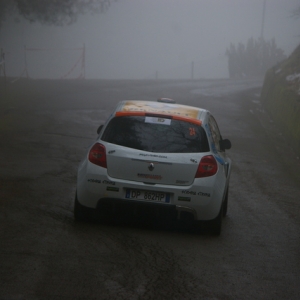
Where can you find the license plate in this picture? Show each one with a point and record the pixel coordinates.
(147, 195)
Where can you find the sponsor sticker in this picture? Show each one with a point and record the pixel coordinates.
(150, 176)
(187, 199)
(188, 192)
(94, 180)
(204, 194)
(112, 189)
(108, 182)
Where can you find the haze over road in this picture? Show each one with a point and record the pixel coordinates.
(137, 39)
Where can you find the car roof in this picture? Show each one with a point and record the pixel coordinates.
(176, 111)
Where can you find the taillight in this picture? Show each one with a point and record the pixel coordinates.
(208, 166)
(97, 155)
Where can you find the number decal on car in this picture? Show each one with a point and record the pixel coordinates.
(192, 131)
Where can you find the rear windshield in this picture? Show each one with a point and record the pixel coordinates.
(156, 134)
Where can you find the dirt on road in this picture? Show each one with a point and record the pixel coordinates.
(45, 128)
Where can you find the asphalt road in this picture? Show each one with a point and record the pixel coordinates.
(45, 254)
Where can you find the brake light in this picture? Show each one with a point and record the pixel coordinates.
(97, 155)
(208, 166)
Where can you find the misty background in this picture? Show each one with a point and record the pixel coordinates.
(147, 39)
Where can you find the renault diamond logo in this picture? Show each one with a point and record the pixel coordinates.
(151, 167)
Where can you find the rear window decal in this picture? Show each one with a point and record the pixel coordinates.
(155, 120)
(177, 137)
(158, 107)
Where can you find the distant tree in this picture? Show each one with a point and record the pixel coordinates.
(254, 59)
(5, 5)
(296, 12)
(51, 12)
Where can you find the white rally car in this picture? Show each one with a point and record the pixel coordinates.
(159, 157)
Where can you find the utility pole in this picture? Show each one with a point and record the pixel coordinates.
(25, 63)
(263, 20)
(2, 63)
(2, 68)
(192, 71)
(83, 62)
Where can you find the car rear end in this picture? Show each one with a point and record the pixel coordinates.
(156, 158)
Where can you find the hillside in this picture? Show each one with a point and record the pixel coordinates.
(281, 98)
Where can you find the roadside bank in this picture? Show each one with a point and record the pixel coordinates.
(280, 96)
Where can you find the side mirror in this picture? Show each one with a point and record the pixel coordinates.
(225, 144)
(99, 129)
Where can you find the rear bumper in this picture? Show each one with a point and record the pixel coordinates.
(201, 201)
(108, 207)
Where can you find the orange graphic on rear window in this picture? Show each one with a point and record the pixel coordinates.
(161, 108)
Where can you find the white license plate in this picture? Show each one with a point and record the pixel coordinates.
(147, 195)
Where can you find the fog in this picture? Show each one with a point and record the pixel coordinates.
(140, 39)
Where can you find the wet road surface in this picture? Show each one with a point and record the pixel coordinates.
(44, 254)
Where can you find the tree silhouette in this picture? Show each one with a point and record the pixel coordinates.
(52, 12)
(254, 59)
(296, 12)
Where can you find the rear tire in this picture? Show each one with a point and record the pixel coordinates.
(225, 204)
(80, 212)
(214, 226)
